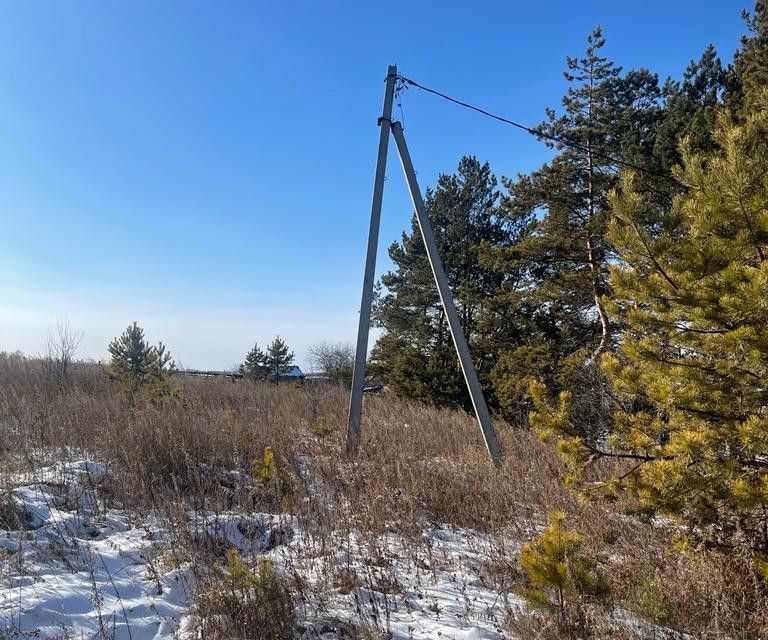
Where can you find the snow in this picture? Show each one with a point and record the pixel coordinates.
(80, 570)
(426, 590)
(251, 533)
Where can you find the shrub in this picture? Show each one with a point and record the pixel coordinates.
(264, 469)
(321, 428)
(653, 603)
(246, 602)
(276, 481)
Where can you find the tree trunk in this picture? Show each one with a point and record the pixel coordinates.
(605, 324)
(594, 267)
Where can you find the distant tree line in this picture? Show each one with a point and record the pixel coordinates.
(334, 360)
(618, 307)
(142, 367)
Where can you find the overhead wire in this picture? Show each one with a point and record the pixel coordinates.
(538, 133)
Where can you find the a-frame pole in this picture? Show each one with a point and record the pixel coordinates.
(457, 333)
(364, 323)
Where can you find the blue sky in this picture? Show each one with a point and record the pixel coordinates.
(205, 168)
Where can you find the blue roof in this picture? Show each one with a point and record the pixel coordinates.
(295, 372)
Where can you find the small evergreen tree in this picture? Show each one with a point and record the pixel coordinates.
(255, 366)
(561, 577)
(241, 600)
(279, 359)
(137, 364)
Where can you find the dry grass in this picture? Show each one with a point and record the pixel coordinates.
(416, 465)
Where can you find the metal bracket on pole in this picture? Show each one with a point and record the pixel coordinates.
(364, 322)
(457, 333)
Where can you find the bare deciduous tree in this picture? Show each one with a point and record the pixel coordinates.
(336, 360)
(62, 345)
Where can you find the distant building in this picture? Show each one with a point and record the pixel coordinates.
(293, 375)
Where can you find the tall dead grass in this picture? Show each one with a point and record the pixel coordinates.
(416, 465)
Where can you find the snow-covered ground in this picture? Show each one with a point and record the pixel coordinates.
(76, 570)
(430, 589)
(72, 568)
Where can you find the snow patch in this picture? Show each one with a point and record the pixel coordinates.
(76, 569)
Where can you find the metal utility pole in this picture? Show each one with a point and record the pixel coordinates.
(457, 333)
(364, 323)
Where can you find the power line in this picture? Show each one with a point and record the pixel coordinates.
(538, 133)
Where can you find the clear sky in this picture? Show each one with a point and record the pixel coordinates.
(205, 168)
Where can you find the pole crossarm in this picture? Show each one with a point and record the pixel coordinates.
(446, 297)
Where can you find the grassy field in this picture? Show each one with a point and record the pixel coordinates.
(242, 517)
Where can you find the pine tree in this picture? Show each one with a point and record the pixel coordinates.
(255, 366)
(552, 302)
(576, 226)
(561, 576)
(688, 110)
(162, 363)
(691, 289)
(138, 364)
(415, 354)
(751, 60)
(278, 359)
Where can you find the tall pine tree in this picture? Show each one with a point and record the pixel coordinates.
(559, 265)
(415, 353)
